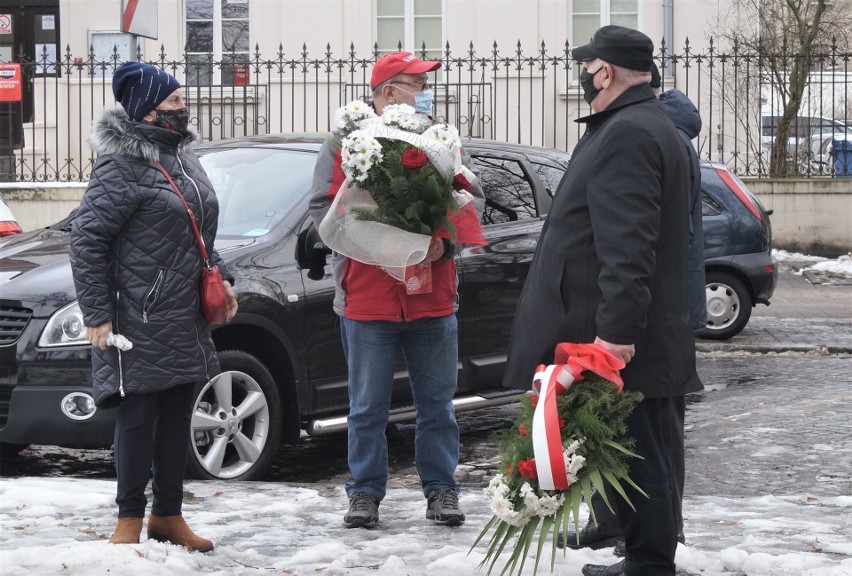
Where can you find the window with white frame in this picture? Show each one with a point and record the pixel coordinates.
(589, 15)
(217, 31)
(410, 24)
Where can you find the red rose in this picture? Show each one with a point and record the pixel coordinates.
(414, 158)
(522, 430)
(461, 183)
(534, 400)
(561, 423)
(527, 469)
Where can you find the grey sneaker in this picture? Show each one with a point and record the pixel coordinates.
(363, 511)
(442, 506)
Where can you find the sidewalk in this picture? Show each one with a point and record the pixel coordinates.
(766, 334)
(807, 313)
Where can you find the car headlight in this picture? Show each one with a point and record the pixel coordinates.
(65, 328)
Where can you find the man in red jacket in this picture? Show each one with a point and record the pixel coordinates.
(379, 319)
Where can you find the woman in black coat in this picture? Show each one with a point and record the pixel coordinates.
(137, 269)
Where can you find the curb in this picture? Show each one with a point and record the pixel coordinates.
(822, 349)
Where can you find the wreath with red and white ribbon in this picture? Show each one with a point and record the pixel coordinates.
(569, 440)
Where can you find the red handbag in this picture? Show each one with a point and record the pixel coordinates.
(214, 299)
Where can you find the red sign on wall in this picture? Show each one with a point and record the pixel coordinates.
(10, 83)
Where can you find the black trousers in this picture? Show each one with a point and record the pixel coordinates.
(608, 518)
(152, 435)
(650, 531)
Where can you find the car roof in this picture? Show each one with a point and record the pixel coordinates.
(495, 146)
(286, 140)
(313, 140)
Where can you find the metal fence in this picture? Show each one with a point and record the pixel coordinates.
(520, 96)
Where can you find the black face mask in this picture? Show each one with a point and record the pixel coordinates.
(176, 120)
(588, 85)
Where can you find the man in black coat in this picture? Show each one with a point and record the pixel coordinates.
(611, 268)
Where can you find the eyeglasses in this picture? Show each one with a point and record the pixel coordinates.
(423, 87)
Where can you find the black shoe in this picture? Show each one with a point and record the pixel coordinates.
(592, 536)
(598, 570)
(363, 511)
(442, 506)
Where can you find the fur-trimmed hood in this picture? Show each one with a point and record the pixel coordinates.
(115, 133)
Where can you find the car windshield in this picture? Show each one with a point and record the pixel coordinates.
(257, 187)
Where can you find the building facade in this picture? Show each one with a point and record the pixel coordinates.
(259, 66)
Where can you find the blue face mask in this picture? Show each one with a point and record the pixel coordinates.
(422, 100)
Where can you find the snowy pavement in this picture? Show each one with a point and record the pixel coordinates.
(769, 489)
(60, 526)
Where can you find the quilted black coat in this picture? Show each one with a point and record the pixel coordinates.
(136, 262)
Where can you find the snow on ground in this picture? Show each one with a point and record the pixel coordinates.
(840, 267)
(61, 526)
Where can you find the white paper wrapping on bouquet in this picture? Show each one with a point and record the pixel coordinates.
(383, 245)
(369, 242)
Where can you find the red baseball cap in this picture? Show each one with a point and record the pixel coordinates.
(400, 63)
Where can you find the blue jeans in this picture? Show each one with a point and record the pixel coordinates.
(430, 347)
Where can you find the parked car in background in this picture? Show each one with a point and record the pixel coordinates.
(8, 225)
(738, 262)
(801, 133)
(283, 365)
(820, 153)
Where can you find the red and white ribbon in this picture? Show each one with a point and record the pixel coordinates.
(551, 381)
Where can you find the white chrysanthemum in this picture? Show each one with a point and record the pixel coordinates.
(398, 109)
(349, 115)
(401, 116)
(409, 123)
(359, 152)
(447, 135)
(573, 446)
(573, 461)
(574, 466)
(549, 505)
(497, 487)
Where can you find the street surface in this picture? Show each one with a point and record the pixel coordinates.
(775, 417)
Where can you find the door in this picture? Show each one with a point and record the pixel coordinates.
(31, 36)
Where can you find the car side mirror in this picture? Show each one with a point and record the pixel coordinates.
(311, 253)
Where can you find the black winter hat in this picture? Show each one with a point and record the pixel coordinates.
(620, 46)
(140, 88)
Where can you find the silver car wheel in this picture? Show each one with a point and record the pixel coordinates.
(723, 306)
(230, 425)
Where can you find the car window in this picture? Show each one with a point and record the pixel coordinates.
(711, 185)
(709, 207)
(257, 187)
(508, 193)
(550, 175)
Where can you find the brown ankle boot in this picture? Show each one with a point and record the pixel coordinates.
(174, 529)
(127, 531)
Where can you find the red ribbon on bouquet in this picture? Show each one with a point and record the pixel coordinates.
(571, 360)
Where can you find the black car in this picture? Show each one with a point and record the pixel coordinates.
(282, 360)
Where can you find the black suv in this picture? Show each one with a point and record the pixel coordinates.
(282, 360)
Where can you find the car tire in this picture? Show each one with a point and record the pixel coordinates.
(237, 421)
(728, 306)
